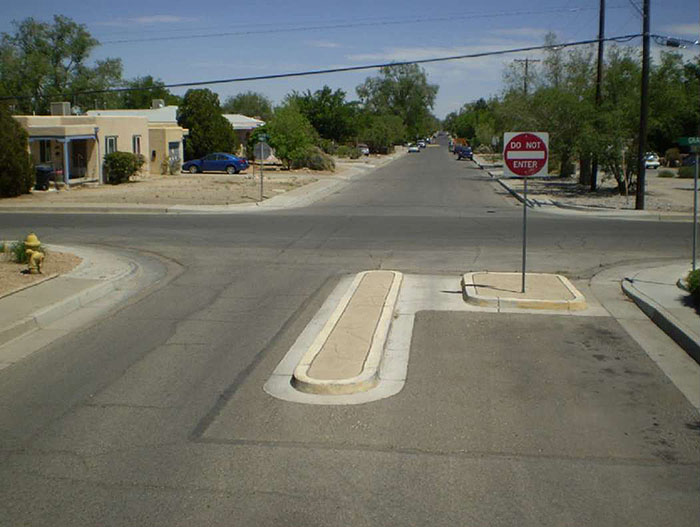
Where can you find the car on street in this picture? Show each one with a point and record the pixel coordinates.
(689, 161)
(464, 152)
(216, 162)
(364, 149)
(651, 161)
(413, 148)
(421, 144)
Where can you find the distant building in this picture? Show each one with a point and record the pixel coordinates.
(243, 125)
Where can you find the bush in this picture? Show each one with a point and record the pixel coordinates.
(315, 159)
(686, 172)
(120, 166)
(483, 149)
(16, 169)
(19, 252)
(666, 173)
(328, 146)
(672, 157)
(348, 151)
(693, 281)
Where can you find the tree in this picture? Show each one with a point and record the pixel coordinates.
(42, 61)
(291, 134)
(328, 112)
(209, 130)
(148, 89)
(16, 170)
(382, 132)
(401, 90)
(251, 104)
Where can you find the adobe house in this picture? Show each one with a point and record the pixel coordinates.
(76, 144)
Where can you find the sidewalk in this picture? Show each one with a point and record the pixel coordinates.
(656, 293)
(513, 186)
(34, 316)
(298, 197)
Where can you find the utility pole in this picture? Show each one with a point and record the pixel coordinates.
(598, 88)
(644, 111)
(527, 62)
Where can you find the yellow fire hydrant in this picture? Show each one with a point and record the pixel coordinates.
(35, 256)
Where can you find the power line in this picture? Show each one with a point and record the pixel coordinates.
(348, 25)
(307, 73)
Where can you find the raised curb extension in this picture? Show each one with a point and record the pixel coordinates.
(670, 325)
(49, 314)
(368, 378)
(471, 296)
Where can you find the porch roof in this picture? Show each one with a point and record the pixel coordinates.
(66, 131)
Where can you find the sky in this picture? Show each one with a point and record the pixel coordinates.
(287, 36)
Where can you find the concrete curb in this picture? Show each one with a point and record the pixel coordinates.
(368, 377)
(472, 297)
(49, 314)
(673, 327)
(306, 195)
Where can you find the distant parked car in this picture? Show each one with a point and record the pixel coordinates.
(364, 149)
(413, 148)
(689, 161)
(216, 162)
(464, 152)
(651, 161)
(421, 143)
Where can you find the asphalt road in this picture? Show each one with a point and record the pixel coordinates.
(156, 415)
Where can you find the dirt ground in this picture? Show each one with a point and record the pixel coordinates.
(12, 278)
(662, 194)
(180, 189)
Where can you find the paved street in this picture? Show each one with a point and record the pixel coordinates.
(156, 415)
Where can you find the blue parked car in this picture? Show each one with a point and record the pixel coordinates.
(464, 152)
(216, 162)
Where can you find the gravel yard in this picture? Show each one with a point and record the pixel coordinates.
(12, 278)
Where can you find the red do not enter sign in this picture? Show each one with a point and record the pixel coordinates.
(525, 153)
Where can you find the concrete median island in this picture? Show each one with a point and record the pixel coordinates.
(503, 290)
(345, 356)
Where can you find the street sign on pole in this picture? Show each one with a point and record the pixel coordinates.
(262, 151)
(525, 154)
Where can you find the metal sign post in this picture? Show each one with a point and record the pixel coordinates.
(262, 150)
(525, 154)
(695, 206)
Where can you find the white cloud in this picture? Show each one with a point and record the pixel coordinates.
(682, 29)
(323, 44)
(146, 20)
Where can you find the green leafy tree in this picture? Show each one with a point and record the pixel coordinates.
(48, 61)
(250, 104)
(382, 132)
(291, 134)
(401, 90)
(209, 130)
(328, 112)
(16, 170)
(147, 89)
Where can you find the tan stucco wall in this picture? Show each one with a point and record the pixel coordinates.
(123, 128)
(160, 134)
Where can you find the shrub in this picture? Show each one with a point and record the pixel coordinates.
(120, 166)
(315, 159)
(483, 149)
(666, 173)
(348, 151)
(672, 157)
(19, 252)
(686, 172)
(329, 146)
(16, 170)
(693, 281)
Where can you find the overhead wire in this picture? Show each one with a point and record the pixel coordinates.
(306, 73)
(348, 25)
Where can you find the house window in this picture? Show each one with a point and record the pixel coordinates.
(136, 144)
(174, 150)
(44, 151)
(110, 144)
